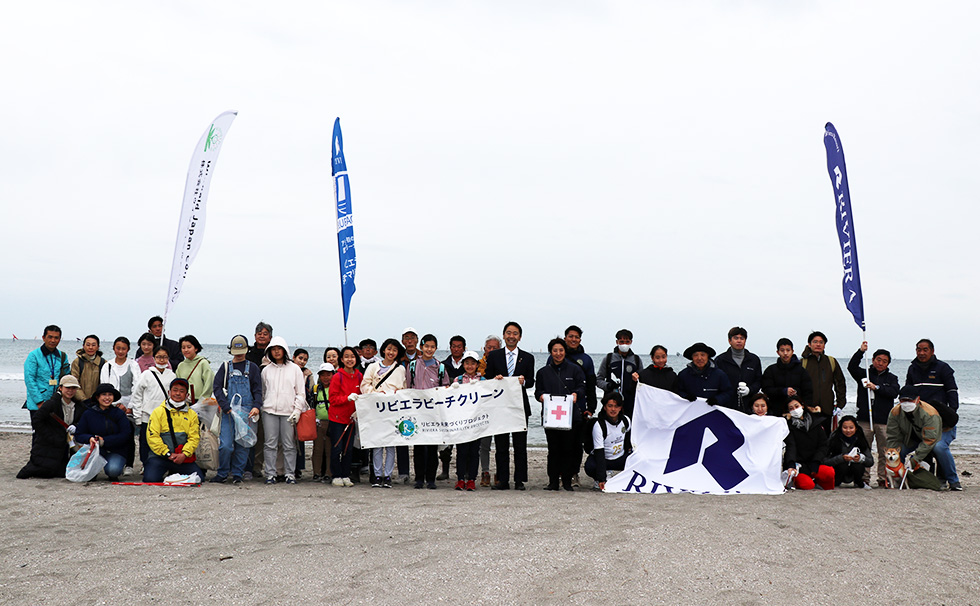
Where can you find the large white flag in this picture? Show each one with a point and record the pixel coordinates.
(441, 415)
(681, 446)
(190, 230)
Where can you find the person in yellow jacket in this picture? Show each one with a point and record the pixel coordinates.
(173, 435)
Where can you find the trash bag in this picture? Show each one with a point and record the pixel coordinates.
(206, 409)
(244, 425)
(83, 466)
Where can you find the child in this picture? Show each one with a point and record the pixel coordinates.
(426, 372)
(301, 357)
(319, 399)
(243, 379)
(468, 454)
(123, 373)
(384, 376)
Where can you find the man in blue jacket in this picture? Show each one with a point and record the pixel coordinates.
(44, 368)
(934, 380)
(743, 368)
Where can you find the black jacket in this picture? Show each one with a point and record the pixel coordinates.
(49, 445)
(806, 445)
(562, 380)
(661, 378)
(749, 373)
(935, 382)
(885, 395)
(110, 424)
(497, 365)
(778, 377)
(451, 370)
(711, 384)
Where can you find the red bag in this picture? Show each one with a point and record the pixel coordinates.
(306, 428)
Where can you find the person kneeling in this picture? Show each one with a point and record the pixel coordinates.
(610, 441)
(806, 448)
(849, 454)
(173, 435)
(108, 427)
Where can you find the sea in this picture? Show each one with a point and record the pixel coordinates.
(15, 418)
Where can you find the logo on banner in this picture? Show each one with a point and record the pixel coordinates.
(406, 426)
(214, 138)
(719, 458)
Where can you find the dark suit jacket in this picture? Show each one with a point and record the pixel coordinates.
(497, 365)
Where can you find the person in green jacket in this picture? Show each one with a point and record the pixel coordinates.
(913, 426)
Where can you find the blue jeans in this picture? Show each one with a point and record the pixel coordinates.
(944, 457)
(232, 456)
(115, 463)
(156, 468)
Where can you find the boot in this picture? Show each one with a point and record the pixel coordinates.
(446, 456)
(485, 479)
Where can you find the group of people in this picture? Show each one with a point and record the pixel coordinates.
(165, 394)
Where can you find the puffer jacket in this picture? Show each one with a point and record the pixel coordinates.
(711, 384)
(778, 377)
(110, 424)
(283, 385)
(49, 445)
(87, 372)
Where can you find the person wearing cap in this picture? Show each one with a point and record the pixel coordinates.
(53, 423)
(616, 370)
(786, 379)
(914, 426)
(173, 434)
(468, 453)
(826, 376)
(368, 353)
(384, 376)
(150, 392)
(318, 398)
(410, 341)
(238, 382)
(491, 343)
(107, 427)
(743, 368)
(884, 385)
(934, 380)
(155, 326)
(703, 379)
(44, 368)
(283, 399)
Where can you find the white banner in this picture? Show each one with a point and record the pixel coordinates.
(190, 230)
(441, 415)
(681, 446)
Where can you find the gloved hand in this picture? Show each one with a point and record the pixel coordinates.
(352, 397)
(864, 382)
(454, 385)
(743, 389)
(71, 430)
(713, 401)
(690, 398)
(294, 418)
(614, 379)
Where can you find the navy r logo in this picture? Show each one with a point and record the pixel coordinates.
(718, 458)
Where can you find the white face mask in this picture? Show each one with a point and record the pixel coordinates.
(161, 367)
(623, 348)
(907, 406)
(796, 413)
(177, 405)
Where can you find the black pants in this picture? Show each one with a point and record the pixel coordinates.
(502, 457)
(426, 463)
(562, 459)
(401, 457)
(848, 472)
(467, 460)
(144, 445)
(618, 464)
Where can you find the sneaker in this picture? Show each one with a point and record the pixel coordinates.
(471, 485)
(325, 480)
(317, 478)
(575, 481)
(419, 485)
(376, 483)
(485, 479)
(128, 471)
(386, 482)
(405, 479)
(248, 476)
(460, 485)
(290, 479)
(218, 480)
(595, 485)
(518, 485)
(338, 482)
(868, 487)
(431, 485)
(270, 480)
(955, 487)
(299, 473)
(237, 481)
(348, 483)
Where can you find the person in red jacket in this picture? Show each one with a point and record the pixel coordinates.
(344, 389)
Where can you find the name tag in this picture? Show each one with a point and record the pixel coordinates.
(53, 382)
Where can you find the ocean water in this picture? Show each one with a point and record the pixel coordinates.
(15, 418)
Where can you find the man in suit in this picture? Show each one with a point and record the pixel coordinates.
(512, 362)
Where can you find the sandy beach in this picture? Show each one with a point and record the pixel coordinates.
(101, 544)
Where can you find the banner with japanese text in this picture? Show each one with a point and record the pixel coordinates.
(441, 415)
(851, 283)
(345, 220)
(681, 446)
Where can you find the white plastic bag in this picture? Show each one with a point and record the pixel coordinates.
(244, 426)
(206, 409)
(83, 467)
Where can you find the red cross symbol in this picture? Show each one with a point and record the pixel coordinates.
(558, 412)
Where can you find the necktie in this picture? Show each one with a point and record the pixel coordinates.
(511, 362)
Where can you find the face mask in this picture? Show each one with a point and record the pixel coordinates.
(177, 405)
(796, 413)
(623, 348)
(907, 406)
(160, 367)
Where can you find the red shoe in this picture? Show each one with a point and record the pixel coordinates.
(460, 485)
(471, 485)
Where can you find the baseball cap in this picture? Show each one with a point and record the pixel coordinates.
(238, 346)
(472, 355)
(908, 393)
(326, 367)
(410, 330)
(68, 381)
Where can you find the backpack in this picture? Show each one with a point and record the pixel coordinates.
(587, 444)
(411, 372)
(833, 363)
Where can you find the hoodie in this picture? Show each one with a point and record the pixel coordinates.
(283, 385)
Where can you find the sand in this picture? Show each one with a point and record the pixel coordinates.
(101, 544)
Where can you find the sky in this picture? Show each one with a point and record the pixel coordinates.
(657, 166)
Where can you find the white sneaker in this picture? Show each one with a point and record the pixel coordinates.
(348, 483)
(128, 471)
(338, 482)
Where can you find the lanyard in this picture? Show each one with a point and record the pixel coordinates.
(51, 362)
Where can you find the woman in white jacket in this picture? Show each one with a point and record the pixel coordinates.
(386, 376)
(283, 399)
(150, 391)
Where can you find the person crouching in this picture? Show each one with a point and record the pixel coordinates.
(173, 434)
(806, 449)
(610, 441)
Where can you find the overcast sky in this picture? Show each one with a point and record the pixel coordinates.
(656, 166)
